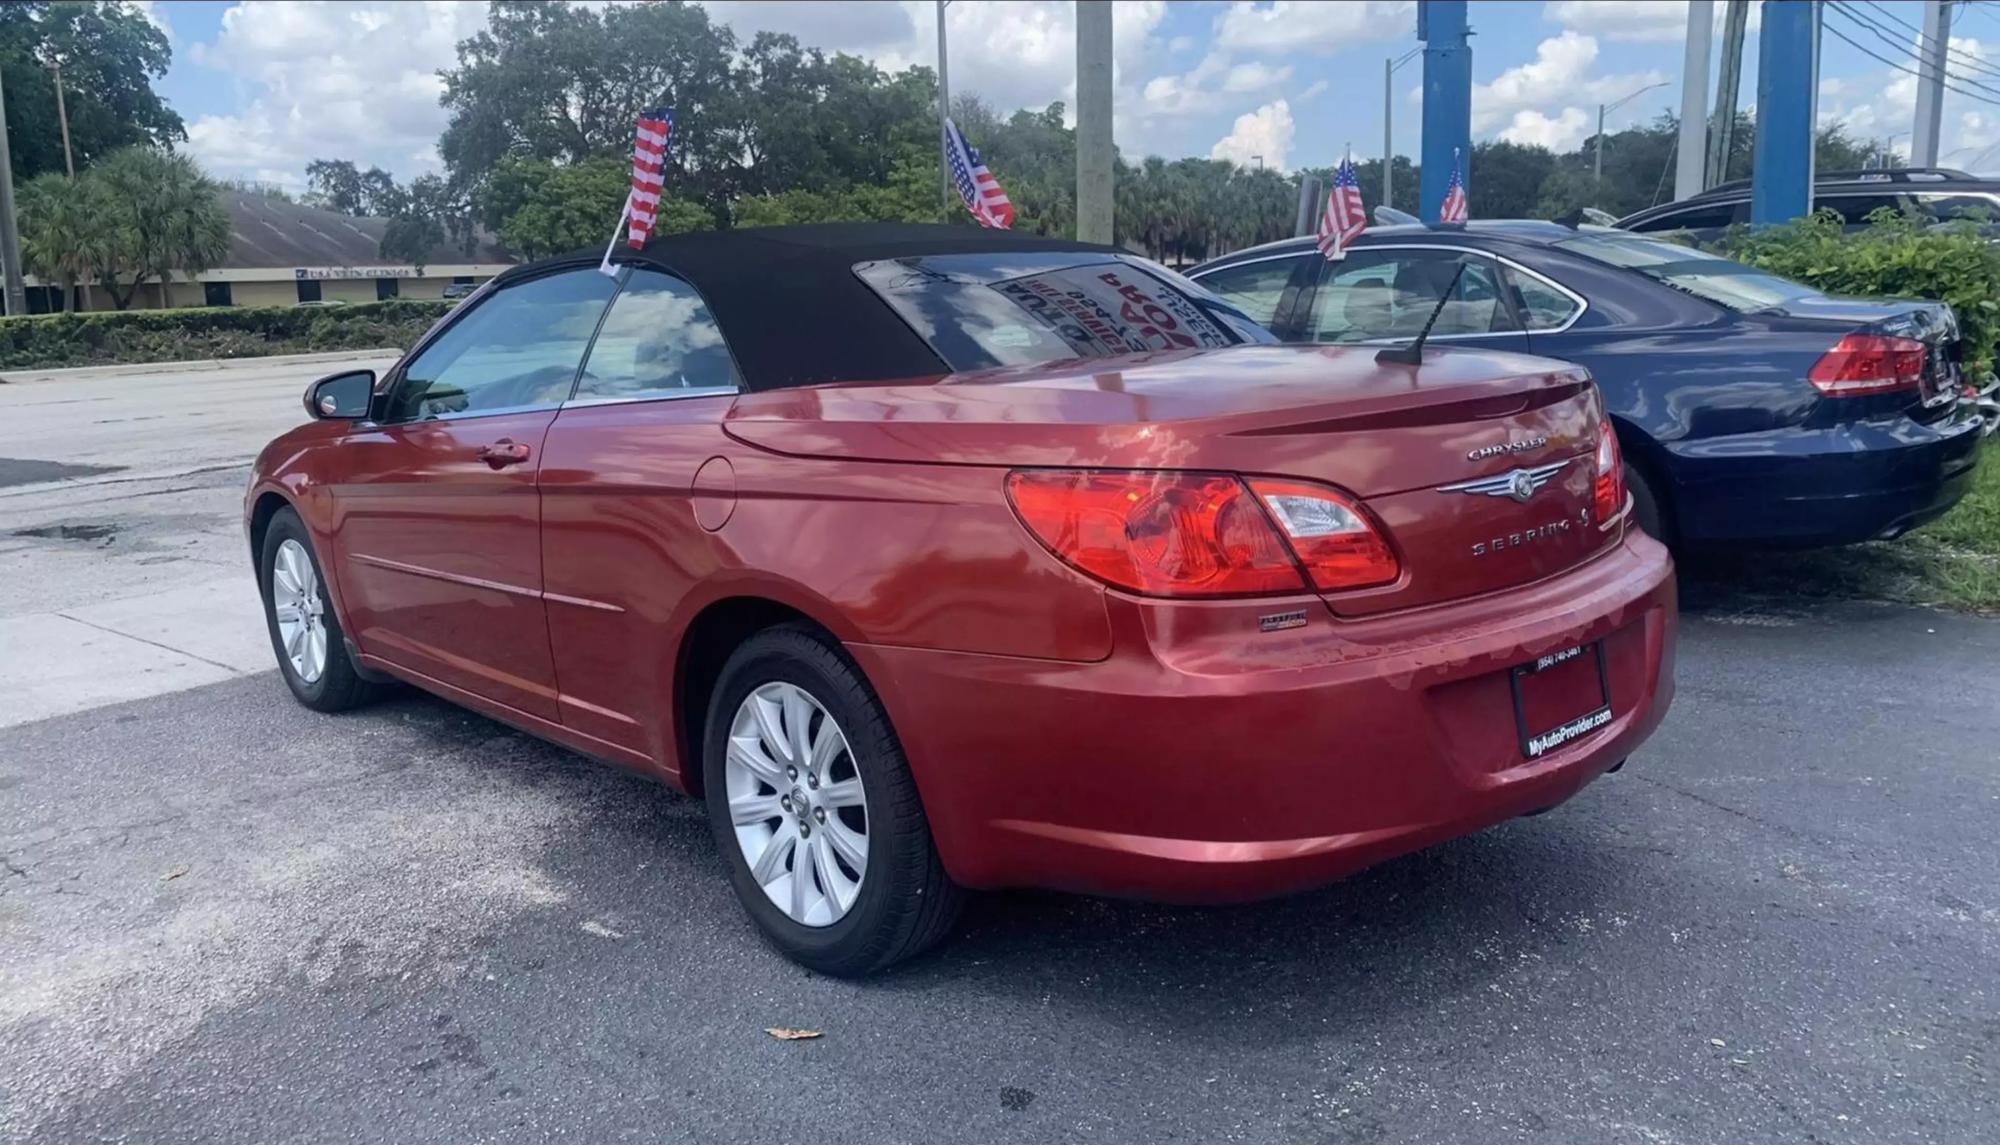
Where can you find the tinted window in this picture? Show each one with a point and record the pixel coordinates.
(1706, 217)
(658, 340)
(519, 347)
(1726, 283)
(1946, 208)
(1543, 307)
(1255, 288)
(308, 289)
(978, 311)
(1391, 294)
(1855, 209)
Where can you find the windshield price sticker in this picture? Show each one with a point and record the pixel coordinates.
(1101, 312)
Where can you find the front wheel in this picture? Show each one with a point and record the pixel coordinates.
(816, 812)
(305, 632)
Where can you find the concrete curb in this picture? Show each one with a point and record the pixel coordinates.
(82, 372)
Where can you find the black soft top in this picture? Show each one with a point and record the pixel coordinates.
(790, 305)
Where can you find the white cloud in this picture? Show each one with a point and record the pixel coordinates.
(1313, 91)
(1538, 102)
(1255, 77)
(1882, 105)
(1324, 26)
(1654, 21)
(1559, 133)
(1264, 134)
(328, 80)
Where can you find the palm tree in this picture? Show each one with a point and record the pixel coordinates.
(63, 235)
(163, 215)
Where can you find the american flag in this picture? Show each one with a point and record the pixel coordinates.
(1454, 209)
(976, 185)
(1343, 220)
(649, 173)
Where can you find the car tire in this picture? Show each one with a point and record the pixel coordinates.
(1646, 507)
(296, 604)
(903, 901)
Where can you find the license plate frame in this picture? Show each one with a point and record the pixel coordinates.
(1536, 744)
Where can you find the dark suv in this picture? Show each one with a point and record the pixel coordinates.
(1938, 192)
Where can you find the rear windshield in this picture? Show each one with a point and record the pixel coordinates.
(1725, 283)
(984, 310)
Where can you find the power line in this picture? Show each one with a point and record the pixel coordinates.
(1988, 98)
(1958, 56)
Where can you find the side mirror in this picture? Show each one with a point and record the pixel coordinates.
(344, 396)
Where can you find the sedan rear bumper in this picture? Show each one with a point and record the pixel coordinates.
(1233, 764)
(1840, 485)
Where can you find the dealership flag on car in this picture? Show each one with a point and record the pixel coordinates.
(1343, 220)
(977, 187)
(649, 178)
(1454, 210)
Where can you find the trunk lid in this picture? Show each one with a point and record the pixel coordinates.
(1405, 440)
(1931, 323)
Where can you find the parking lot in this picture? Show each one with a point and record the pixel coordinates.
(224, 917)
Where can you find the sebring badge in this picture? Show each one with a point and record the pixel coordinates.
(1524, 445)
(1520, 484)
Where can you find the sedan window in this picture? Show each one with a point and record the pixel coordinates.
(1728, 284)
(1390, 293)
(1543, 306)
(659, 340)
(1256, 288)
(517, 349)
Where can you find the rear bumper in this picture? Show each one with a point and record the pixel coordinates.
(1237, 765)
(1841, 485)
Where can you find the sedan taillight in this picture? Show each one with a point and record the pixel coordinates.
(1201, 534)
(1608, 491)
(1869, 364)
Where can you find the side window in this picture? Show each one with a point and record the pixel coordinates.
(658, 340)
(1707, 217)
(1855, 209)
(1947, 208)
(1543, 307)
(1255, 288)
(1391, 293)
(519, 348)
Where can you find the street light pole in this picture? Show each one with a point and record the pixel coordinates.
(62, 116)
(1614, 105)
(944, 112)
(1389, 122)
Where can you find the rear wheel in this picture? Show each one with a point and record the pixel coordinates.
(815, 811)
(305, 631)
(1646, 506)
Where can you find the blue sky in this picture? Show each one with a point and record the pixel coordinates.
(269, 85)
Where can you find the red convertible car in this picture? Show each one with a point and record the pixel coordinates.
(937, 559)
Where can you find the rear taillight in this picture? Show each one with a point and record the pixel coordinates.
(1608, 492)
(1869, 364)
(1200, 534)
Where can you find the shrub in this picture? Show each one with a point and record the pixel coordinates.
(45, 341)
(1895, 256)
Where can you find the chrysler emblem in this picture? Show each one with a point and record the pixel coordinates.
(1520, 484)
(1525, 445)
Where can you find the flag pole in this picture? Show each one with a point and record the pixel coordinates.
(605, 268)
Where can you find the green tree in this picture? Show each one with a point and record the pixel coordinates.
(63, 238)
(540, 208)
(110, 55)
(338, 185)
(159, 214)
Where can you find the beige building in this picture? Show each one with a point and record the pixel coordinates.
(282, 254)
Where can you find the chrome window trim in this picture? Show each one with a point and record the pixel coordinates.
(655, 396)
(1581, 304)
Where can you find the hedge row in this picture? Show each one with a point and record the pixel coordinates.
(47, 341)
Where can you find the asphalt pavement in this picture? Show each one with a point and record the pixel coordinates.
(226, 918)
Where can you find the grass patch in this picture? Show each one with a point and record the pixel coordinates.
(1953, 562)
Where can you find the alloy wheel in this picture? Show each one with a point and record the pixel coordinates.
(295, 602)
(796, 803)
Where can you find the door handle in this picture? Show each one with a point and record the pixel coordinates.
(504, 452)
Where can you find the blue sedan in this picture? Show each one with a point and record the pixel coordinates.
(1751, 410)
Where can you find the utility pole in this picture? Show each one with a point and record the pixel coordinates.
(1694, 99)
(62, 116)
(944, 113)
(1787, 65)
(1094, 223)
(1389, 122)
(1308, 197)
(1930, 82)
(1722, 139)
(10, 239)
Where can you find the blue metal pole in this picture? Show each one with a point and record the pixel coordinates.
(1447, 99)
(1787, 67)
